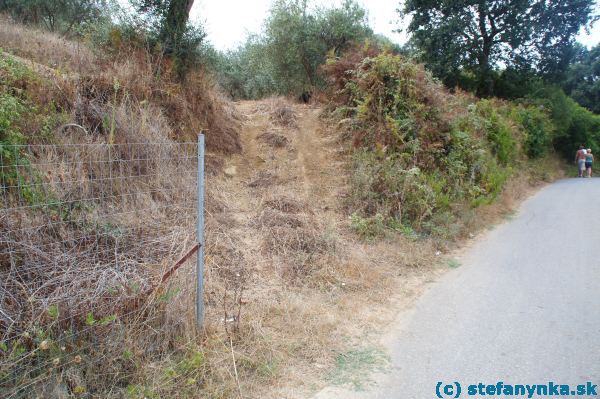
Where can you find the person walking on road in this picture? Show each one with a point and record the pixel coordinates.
(580, 160)
(589, 159)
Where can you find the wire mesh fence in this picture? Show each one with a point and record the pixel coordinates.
(85, 232)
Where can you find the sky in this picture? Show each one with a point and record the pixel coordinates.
(228, 22)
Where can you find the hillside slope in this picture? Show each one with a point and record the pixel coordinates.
(311, 289)
(284, 272)
(296, 292)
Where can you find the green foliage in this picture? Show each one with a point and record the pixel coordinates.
(538, 128)
(16, 111)
(298, 40)
(247, 72)
(573, 124)
(64, 16)
(424, 156)
(368, 228)
(104, 321)
(499, 133)
(12, 109)
(582, 81)
(286, 59)
(53, 312)
(164, 27)
(472, 36)
(387, 191)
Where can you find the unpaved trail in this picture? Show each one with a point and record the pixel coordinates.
(524, 307)
(311, 151)
(317, 289)
(307, 167)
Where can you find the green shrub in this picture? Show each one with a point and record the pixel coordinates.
(573, 124)
(16, 111)
(499, 132)
(425, 157)
(11, 110)
(384, 187)
(368, 227)
(538, 129)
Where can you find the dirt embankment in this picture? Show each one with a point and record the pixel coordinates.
(312, 292)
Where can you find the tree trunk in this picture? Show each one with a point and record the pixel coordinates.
(175, 21)
(485, 87)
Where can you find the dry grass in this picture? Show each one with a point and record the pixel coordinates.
(92, 85)
(47, 48)
(264, 179)
(284, 115)
(76, 269)
(287, 284)
(274, 140)
(281, 111)
(285, 204)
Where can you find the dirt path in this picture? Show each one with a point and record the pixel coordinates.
(313, 287)
(306, 160)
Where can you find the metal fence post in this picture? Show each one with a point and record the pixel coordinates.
(200, 235)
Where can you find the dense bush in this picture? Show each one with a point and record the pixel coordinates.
(582, 80)
(573, 124)
(538, 128)
(64, 16)
(19, 115)
(424, 155)
(247, 72)
(499, 132)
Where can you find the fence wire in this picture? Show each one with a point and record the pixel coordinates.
(85, 232)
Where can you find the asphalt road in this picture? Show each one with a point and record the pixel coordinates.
(523, 307)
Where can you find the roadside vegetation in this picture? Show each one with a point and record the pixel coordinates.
(318, 214)
(425, 158)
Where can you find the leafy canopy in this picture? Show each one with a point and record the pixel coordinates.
(169, 27)
(298, 38)
(286, 58)
(475, 36)
(583, 79)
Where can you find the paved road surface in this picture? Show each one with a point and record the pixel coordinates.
(523, 308)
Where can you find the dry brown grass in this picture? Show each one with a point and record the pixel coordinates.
(47, 48)
(275, 140)
(281, 111)
(284, 115)
(77, 271)
(90, 85)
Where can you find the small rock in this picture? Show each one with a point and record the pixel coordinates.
(230, 171)
(437, 253)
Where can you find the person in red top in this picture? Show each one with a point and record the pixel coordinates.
(580, 160)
